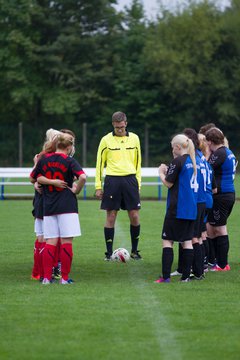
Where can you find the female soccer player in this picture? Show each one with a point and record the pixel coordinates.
(60, 208)
(210, 189)
(48, 146)
(180, 178)
(224, 164)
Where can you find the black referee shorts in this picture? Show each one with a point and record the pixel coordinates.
(120, 192)
(222, 208)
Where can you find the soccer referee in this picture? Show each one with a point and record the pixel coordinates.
(120, 153)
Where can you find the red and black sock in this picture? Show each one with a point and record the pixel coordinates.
(66, 259)
(57, 253)
(36, 270)
(41, 251)
(48, 260)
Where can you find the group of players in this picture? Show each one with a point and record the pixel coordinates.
(57, 178)
(200, 181)
(201, 195)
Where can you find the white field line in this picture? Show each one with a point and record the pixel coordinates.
(155, 312)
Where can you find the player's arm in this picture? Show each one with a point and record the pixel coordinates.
(79, 184)
(162, 170)
(55, 182)
(33, 175)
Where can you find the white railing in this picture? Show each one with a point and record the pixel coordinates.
(9, 173)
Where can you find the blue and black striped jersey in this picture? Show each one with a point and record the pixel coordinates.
(181, 200)
(223, 162)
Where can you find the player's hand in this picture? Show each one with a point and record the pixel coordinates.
(163, 168)
(38, 187)
(74, 188)
(35, 159)
(99, 194)
(59, 183)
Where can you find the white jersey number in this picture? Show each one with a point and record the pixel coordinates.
(194, 184)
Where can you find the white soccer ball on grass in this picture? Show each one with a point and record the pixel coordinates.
(121, 255)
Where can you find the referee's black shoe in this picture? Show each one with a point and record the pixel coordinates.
(108, 257)
(135, 255)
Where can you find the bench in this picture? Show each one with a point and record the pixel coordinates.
(9, 173)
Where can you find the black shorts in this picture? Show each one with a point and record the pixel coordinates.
(199, 222)
(222, 208)
(121, 192)
(207, 211)
(179, 230)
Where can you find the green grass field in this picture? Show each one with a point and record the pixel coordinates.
(113, 310)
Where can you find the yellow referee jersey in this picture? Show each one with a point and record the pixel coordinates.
(120, 155)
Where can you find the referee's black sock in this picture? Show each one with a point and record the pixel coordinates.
(187, 260)
(167, 260)
(135, 234)
(222, 250)
(109, 236)
(197, 260)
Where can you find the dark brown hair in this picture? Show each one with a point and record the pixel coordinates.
(215, 135)
(206, 127)
(67, 131)
(192, 134)
(119, 116)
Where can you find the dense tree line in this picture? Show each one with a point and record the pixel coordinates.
(64, 63)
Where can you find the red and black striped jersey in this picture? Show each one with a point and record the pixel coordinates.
(58, 166)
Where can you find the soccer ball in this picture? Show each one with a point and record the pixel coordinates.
(121, 255)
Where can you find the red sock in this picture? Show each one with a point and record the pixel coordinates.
(57, 253)
(66, 259)
(41, 251)
(35, 269)
(48, 260)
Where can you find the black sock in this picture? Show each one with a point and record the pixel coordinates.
(212, 255)
(203, 256)
(109, 236)
(180, 259)
(206, 247)
(222, 250)
(134, 232)
(197, 260)
(167, 260)
(187, 257)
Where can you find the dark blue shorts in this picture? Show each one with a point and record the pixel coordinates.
(120, 192)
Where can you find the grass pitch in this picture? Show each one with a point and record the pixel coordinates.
(113, 310)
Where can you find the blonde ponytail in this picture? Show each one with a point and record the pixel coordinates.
(188, 147)
(191, 152)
